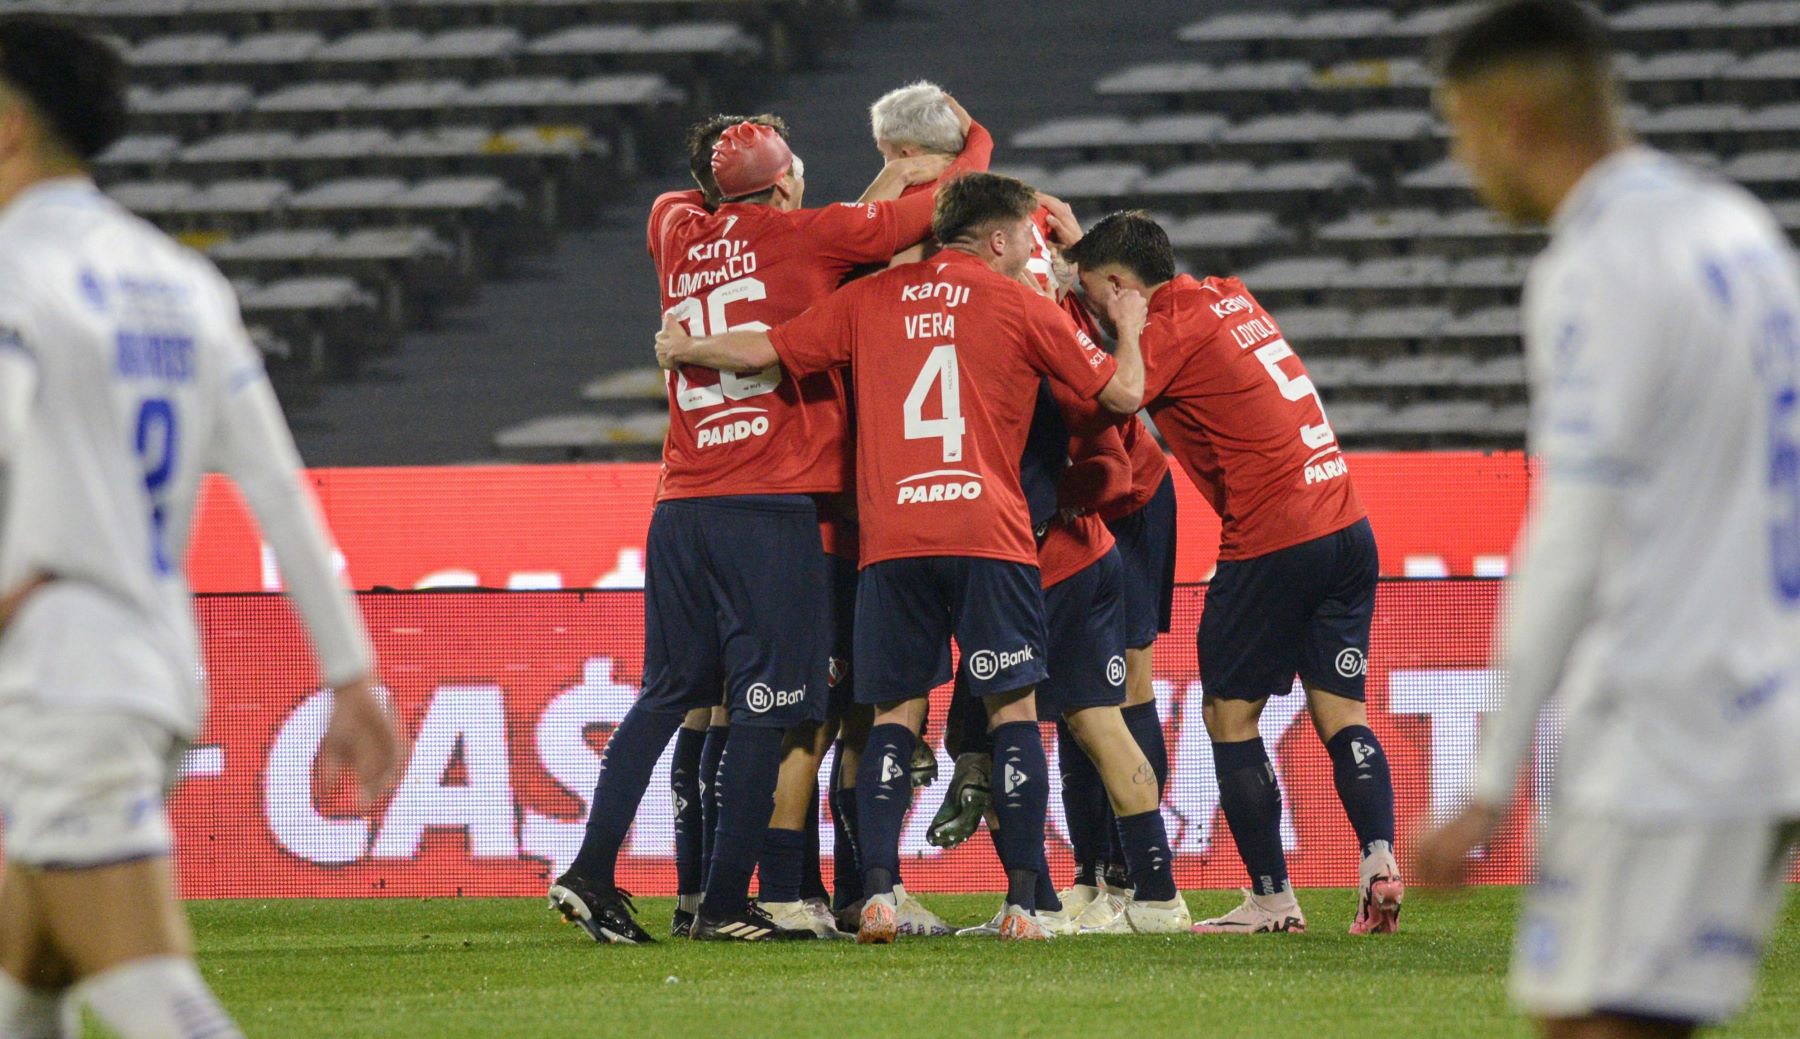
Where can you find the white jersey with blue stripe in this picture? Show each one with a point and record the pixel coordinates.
(1662, 330)
(126, 374)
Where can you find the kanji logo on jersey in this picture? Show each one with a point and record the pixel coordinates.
(762, 699)
(1350, 662)
(952, 295)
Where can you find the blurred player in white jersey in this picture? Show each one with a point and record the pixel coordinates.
(125, 372)
(1658, 585)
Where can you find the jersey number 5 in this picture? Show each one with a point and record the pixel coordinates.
(709, 319)
(939, 371)
(1297, 388)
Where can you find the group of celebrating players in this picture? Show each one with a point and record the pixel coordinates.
(892, 426)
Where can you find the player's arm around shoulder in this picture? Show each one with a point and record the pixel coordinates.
(1124, 394)
(740, 352)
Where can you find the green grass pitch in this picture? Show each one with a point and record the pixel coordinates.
(505, 968)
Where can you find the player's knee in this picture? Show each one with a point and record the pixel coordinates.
(1231, 721)
(1019, 705)
(1331, 713)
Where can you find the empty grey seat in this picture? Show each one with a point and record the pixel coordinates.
(1774, 119)
(1401, 322)
(152, 198)
(1198, 178)
(1225, 231)
(324, 293)
(1761, 14)
(1329, 371)
(1094, 180)
(1403, 272)
(234, 197)
(373, 45)
(1303, 324)
(1788, 213)
(1294, 126)
(1768, 65)
(631, 88)
(458, 193)
(314, 97)
(406, 244)
(201, 99)
(1373, 73)
(1246, 26)
(275, 48)
(1158, 78)
(1476, 222)
(1357, 417)
(1378, 225)
(1316, 175)
(343, 144)
(355, 193)
(1497, 371)
(444, 142)
(140, 150)
(1708, 118)
(413, 95)
(646, 383)
(698, 38)
(1402, 124)
(1342, 25)
(246, 146)
(1184, 128)
(1431, 22)
(486, 44)
(588, 40)
(544, 140)
(1491, 272)
(1257, 76)
(274, 246)
(1487, 323)
(1420, 370)
(1300, 273)
(1765, 167)
(1682, 14)
(1680, 66)
(177, 50)
(1445, 173)
(577, 434)
(518, 92)
(1081, 132)
(1449, 416)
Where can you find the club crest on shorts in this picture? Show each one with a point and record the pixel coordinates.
(1350, 662)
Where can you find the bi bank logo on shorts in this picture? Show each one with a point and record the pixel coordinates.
(985, 663)
(1115, 670)
(940, 485)
(1351, 663)
(762, 699)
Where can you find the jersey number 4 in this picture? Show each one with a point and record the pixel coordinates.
(1298, 387)
(939, 371)
(709, 319)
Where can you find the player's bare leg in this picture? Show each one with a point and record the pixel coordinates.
(34, 977)
(132, 965)
(1136, 800)
(1251, 798)
(1366, 789)
(1139, 686)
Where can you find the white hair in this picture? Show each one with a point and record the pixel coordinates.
(919, 115)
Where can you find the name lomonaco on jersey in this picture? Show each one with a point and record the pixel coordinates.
(940, 485)
(736, 261)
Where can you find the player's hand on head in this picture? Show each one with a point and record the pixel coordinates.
(920, 169)
(360, 739)
(1065, 230)
(1127, 309)
(670, 341)
(963, 118)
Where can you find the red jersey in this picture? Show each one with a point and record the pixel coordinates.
(945, 356)
(1148, 463)
(1099, 473)
(1243, 418)
(748, 266)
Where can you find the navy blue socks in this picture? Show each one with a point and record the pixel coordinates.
(684, 778)
(883, 794)
(778, 874)
(625, 767)
(746, 794)
(710, 750)
(1252, 803)
(1145, 843)
(1021, 784)
(1360, 767)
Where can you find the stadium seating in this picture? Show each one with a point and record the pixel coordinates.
(1339, 205)
(358, 164)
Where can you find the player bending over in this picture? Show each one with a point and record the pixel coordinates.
(736, 589)
(125, 373)
(1658, 582)
(946, 356)
(1295, 585)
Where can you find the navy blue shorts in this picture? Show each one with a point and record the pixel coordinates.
(737, 606)
(1301, 610)
(1147, 548)
(841, 675)
(1085, 615)
(907, 610)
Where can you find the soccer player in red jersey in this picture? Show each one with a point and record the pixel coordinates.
(736, 595)
(1295, 586)
(946, 356)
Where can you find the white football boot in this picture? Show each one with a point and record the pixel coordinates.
(1078, 897)
(1258, 914)
(1169, 917)
(1105, 914)
(1019, 925)
(914, 920)
(1380, 892)
(1060, 923)
(879, 925)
